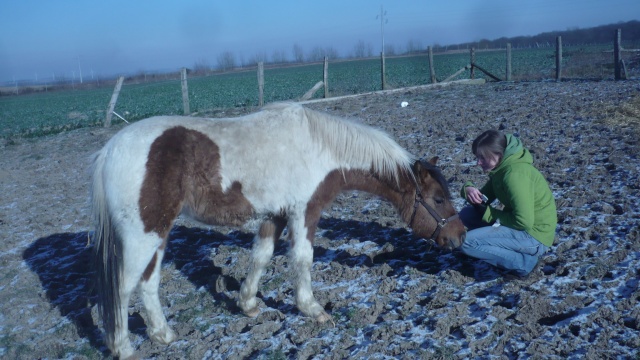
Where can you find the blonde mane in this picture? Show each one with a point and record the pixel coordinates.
(358, 145)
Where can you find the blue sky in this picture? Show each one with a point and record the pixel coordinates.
(104, 38)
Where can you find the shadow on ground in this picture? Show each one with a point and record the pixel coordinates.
(63, 264)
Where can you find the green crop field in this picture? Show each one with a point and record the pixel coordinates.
(54, 111)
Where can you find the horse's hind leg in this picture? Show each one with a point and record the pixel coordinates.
(137, 251)
(118, 342)
(301, 255)
(270, 231)
(157, 329)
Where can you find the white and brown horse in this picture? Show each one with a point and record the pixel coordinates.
(283, 164)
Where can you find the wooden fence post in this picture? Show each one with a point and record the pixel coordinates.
(260, 83)
(384, 79)
(558, 58)
(473, 61)
(325, 77)
(432, 70)
(467, 67)
(617, 58)
(309, 94)
(508, 70)
(114, 99)
(185, 91)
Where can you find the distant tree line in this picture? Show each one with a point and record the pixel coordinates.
(574, 36)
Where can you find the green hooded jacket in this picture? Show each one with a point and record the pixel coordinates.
(528, 202)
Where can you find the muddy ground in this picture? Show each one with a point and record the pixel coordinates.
(391, 296)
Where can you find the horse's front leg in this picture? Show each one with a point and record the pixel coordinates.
(301, 255)
(270, 230)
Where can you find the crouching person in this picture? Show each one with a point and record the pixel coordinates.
(513, 236)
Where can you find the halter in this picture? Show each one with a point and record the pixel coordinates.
(440, 221)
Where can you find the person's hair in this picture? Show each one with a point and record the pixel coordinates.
(489, 142)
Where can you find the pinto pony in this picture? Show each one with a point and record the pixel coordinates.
(283, 164)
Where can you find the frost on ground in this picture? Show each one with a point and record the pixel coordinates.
(390, 295)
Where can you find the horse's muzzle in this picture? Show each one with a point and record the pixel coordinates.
(451, 243)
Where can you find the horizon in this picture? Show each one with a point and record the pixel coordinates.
(106, 40)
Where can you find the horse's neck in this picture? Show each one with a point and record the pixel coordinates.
(388, 189)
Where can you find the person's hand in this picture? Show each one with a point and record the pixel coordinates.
(474, 195)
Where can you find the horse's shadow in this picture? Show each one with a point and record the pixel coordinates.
(63, 263)
(398, 248)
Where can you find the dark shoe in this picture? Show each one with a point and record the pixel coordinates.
(512, 275)
(518, 275)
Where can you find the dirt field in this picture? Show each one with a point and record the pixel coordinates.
(391, 296)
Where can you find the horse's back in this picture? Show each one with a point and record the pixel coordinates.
(263, 162)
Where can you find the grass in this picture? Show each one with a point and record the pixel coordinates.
(625, 115)
(39, 114)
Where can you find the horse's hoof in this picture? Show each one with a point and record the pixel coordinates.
(133, 356)
(124, 352)
(324, 317)
(252, 312)
(164, 337)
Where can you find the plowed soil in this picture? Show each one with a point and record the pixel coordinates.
(391, 295)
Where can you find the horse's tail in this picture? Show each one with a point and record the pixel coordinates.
(107, 254)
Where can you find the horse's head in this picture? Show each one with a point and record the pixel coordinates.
(433, 215)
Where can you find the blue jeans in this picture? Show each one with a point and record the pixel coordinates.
(500, 246)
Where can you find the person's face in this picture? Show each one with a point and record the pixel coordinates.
(488, 162)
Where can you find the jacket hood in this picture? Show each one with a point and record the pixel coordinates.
(514, 152)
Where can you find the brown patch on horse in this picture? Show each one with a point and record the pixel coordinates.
(342, 180)
(272, 227)
(150, 267)
(183, 171)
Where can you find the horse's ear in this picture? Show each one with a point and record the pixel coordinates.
(417, 165)
(420, 168)
(434, 160)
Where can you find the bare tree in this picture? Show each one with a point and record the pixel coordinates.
(413, 46)
(298, 54)
(278, 57)
(257, 58)
(389, 49)
(331, 53)
(226, 61)
(361, 49)
(201, 67)
(369, 50)
(316, 54)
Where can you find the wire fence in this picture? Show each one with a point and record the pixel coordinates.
(50, 109)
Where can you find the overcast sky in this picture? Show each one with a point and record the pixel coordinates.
(104, 38)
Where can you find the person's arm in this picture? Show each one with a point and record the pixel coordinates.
(519, 200)
(471, 193)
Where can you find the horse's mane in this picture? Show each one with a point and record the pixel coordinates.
(358, 145)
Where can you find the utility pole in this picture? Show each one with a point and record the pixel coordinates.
(383, 20)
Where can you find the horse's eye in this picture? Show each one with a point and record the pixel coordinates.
(439, 200)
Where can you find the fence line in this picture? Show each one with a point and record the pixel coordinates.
(558, 58)
(185, 91)
(260, 83)
(62, 110)
(112, 103)
(620, 73)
